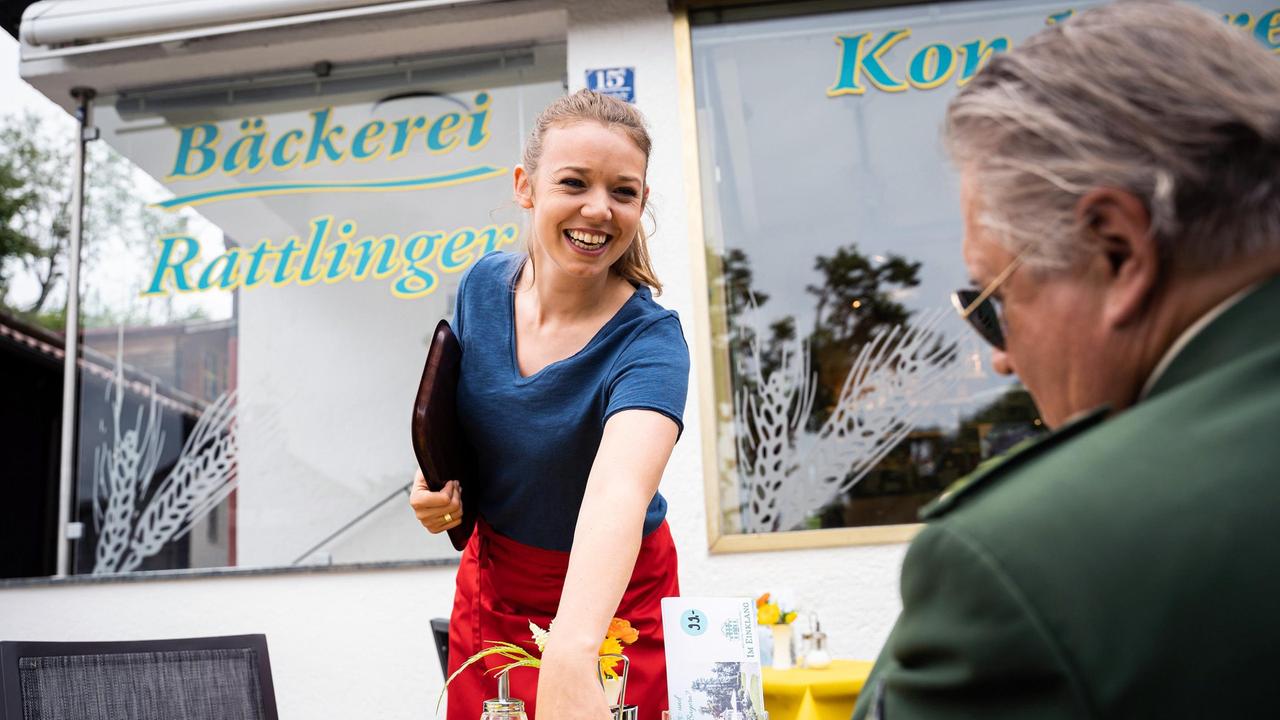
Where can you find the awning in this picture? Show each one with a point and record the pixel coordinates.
(126, 46)
(60, 23)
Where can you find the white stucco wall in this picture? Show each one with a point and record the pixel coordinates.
(356, 644)
(854, 590)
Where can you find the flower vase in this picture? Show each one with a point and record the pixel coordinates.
(783, 659)
(764, 638)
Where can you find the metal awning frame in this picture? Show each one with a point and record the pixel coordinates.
(32, 52)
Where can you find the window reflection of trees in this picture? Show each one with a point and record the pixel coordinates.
(844, 399)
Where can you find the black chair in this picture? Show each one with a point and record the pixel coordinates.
(210, 678)
(440, 631)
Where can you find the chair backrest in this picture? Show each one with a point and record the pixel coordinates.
(440, 631)
(210, 678)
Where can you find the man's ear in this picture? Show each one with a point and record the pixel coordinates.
(1118, 224)
(523, 188)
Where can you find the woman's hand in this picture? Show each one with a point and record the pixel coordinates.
(568, 685)
(437, 511)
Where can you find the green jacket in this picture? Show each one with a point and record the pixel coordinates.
(1123, 567)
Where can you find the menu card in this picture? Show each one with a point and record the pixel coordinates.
(713, 659)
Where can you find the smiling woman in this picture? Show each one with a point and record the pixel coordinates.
(619, 198)
(569, 340)
(586, 217)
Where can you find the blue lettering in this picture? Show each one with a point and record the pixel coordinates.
(179, 268)
(229, 262)
(322, 137)
(418, 280)
(385, 253)
(443, 125)
(280, 157)
(1056, 18)
(359, 144)
(187, 143)
(855, 59)
(1268, 31)
(931, 67)
(319, 232)
(460, 242)
(976, 54)
(479, 122)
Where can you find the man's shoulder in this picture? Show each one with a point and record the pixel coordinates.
(1152, 502)
(1212, 431)
(996, 470)
(1150, 530)
(1113, 473)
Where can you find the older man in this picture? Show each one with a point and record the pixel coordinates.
(1121, 195)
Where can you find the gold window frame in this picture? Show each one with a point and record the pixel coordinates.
(711, 363)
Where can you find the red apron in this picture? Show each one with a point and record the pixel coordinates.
(503, 584)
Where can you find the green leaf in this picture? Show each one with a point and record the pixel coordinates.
(519, 656)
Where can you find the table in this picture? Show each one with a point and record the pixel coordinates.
(804, 694)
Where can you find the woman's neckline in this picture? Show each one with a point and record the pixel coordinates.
(512, 336)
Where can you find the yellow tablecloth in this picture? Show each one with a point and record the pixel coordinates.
(803, 694)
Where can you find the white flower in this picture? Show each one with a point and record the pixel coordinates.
(539, 636)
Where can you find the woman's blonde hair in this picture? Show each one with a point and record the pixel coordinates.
(634, 265)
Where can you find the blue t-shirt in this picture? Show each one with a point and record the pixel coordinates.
(536, 437)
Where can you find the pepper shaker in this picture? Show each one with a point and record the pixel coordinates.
(819, 658)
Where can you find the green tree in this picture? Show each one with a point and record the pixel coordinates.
(14, 197)
(36, 176)
(856, 300)
(857, 295)
(41, 168)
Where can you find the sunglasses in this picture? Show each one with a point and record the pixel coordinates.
(982, 311)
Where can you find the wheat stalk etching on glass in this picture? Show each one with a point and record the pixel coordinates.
(787, 471)
(133, 523)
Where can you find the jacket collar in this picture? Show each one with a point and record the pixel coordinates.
(1247, 325)
(1012, 458)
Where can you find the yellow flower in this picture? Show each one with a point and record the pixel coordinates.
(609, 666)
(620, 632)
(768, 614)
(789, 618)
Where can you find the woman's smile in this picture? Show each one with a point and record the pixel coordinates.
(587, 241)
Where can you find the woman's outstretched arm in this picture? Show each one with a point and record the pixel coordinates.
(624, 477)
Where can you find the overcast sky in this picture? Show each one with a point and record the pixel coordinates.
(17, 93)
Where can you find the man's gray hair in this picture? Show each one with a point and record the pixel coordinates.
(1158, 99)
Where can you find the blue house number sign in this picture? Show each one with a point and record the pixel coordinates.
(618, 82)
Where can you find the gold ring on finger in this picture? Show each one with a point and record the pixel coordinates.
(448, 517)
